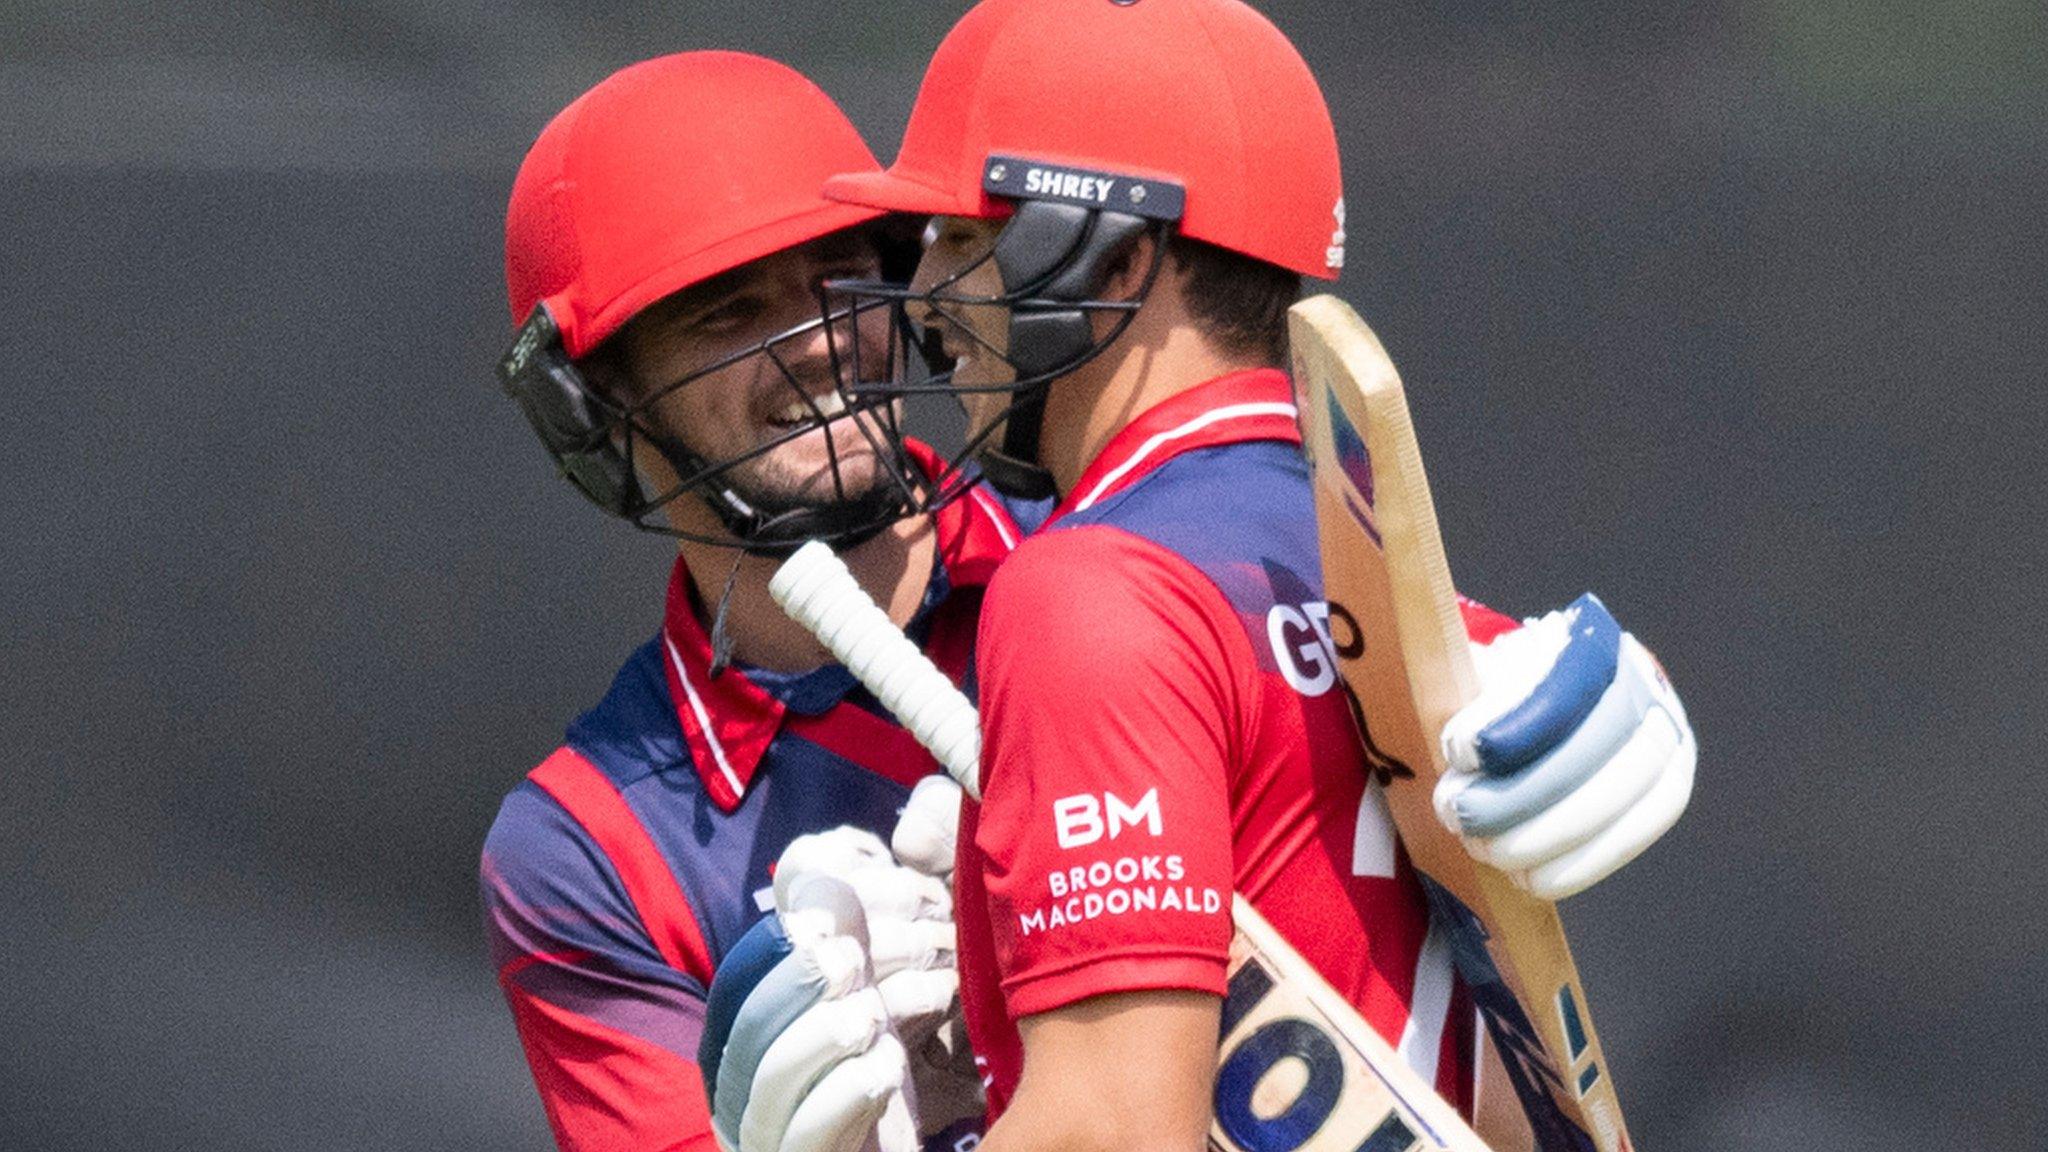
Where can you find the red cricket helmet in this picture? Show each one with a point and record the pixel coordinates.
(1206, 94)
(667, 173)
(664, 175)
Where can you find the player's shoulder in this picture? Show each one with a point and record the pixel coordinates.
(1219, 506)
(632, 732)
(1244, 482)
(1089, 607)
(1242, 515)
(1084, 564)
(542, 826)
(537, 848)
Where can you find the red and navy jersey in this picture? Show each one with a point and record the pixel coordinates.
(1163, 725)
(619, 873)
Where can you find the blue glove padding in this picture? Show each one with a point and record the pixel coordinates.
(1564, 698)
(1575, 719)
(1574, 758)
(758, 952)
(796, 1052)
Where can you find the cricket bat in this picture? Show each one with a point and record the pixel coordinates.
(1408, 668)
(1298, 1070)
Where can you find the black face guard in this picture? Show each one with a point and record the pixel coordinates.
(590, 437)
(1071, 226)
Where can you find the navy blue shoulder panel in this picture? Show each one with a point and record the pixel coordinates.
(633, 730)
(1243, 514)
(720, 859)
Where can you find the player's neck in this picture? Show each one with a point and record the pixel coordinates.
(894, 567)
(1161, 355)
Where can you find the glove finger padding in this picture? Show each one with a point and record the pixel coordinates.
(758, 952)
(1612, 791)
(844, 1108)
(811, 1059)
(892, 892)
(910, 945)
(1488, 804)
(929, 829)
(918, 1001)
(1626, 838)
(839, 853)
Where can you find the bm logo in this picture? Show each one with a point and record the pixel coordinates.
(1081, 820)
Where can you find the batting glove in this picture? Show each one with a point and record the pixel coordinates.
(797, 1053)
(909, 922)
(1575, 757)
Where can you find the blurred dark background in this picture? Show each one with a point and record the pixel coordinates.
(1732, 311)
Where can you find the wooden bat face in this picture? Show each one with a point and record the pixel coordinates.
(1299, 1070)
(1384, 569)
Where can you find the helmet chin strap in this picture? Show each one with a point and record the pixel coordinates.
(764, 532)
(1052, 257)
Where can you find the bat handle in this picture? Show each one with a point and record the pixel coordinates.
(818, 592)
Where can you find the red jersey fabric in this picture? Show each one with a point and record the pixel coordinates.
(1162, 727)
(621, 871)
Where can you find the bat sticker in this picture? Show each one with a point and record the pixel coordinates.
(1356, 464)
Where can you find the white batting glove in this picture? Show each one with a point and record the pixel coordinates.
(949, 1088)
(929, 828)
(797, 1051)
(1575, 757)
(909, 922)
(833, 1019)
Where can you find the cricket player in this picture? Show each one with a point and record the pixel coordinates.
(665, 246)
(1125, 197)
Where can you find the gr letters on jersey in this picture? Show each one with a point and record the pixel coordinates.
(1307, 639)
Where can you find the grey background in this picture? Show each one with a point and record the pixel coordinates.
(1734, 315)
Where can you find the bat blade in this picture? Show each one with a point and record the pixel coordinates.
(1385, 575)
(1300, 1071)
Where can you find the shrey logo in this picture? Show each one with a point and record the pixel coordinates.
(1356, 464)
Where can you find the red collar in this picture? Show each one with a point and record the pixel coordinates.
(729, 721)
(1257, 404)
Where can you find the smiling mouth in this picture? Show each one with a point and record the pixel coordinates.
(798, 413)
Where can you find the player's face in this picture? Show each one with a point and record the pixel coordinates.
(759, 398)
(975, 336)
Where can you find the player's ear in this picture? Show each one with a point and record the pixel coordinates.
(1125, 279)
(606, 371)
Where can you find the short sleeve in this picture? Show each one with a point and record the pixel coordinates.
(609, 1027)
(1113, 701)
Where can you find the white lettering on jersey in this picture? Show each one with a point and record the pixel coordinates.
(1302, 647)
(1081, 820)
(1122, 870)
(1076, 820)
(1118, 888)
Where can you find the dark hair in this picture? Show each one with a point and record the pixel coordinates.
(1239, 302)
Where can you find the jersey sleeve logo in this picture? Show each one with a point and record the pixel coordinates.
(1081, 820)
